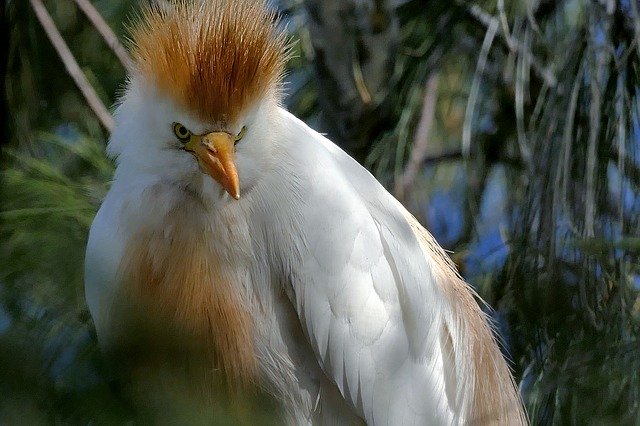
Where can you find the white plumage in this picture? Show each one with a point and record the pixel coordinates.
(356, 315)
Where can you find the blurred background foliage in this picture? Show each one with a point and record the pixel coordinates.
(511, 129)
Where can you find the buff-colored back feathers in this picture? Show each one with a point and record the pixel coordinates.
(215, 59)
(492, 398)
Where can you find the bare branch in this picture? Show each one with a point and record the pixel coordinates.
(72, 67)
(597, 69)
(514, 45)
(522, 81)
(475, 84)
(106, 32)
(453, 155)
(421, 140)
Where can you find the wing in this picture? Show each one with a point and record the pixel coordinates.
(368, 299)
(391, 322)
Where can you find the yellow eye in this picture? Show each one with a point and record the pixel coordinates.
(181, 132)
(241, 134)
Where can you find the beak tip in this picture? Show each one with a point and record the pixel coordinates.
(217, 154)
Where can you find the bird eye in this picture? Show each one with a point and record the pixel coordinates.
(240, 135)
(181, 132)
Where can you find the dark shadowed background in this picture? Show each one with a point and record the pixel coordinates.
(511, 129)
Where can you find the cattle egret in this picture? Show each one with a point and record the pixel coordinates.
(234, 226)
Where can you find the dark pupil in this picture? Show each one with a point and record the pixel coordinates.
(182, 132)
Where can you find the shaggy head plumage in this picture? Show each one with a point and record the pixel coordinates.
(215, 59)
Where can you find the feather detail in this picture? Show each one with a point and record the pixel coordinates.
(174, 297)
(215, 58)
(473, 351)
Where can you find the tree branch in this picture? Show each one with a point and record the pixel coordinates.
(445, 156)
(514, 45)
(421, 140)
(106, 32)
(72, 67)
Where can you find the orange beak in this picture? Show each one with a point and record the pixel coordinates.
(215, 154)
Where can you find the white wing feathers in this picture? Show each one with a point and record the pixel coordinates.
(368, 317)
(380, 324)
(390, 322)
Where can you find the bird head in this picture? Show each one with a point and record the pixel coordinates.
(200, 104)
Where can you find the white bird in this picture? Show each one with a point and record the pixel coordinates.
(274, 255)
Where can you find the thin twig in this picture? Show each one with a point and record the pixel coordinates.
(522, 80)
(531, 18)
(563, 171)
(505, 24)
(421, 140)
(106, 32)
(358, 78)
(514, 45)
(475, 85)
(445, 156)
(600, 61)
(72, 67)
(621, 140)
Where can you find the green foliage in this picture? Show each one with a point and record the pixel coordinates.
(570, 281)
(51, 367)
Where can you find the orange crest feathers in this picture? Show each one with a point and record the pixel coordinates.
(215, 58)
